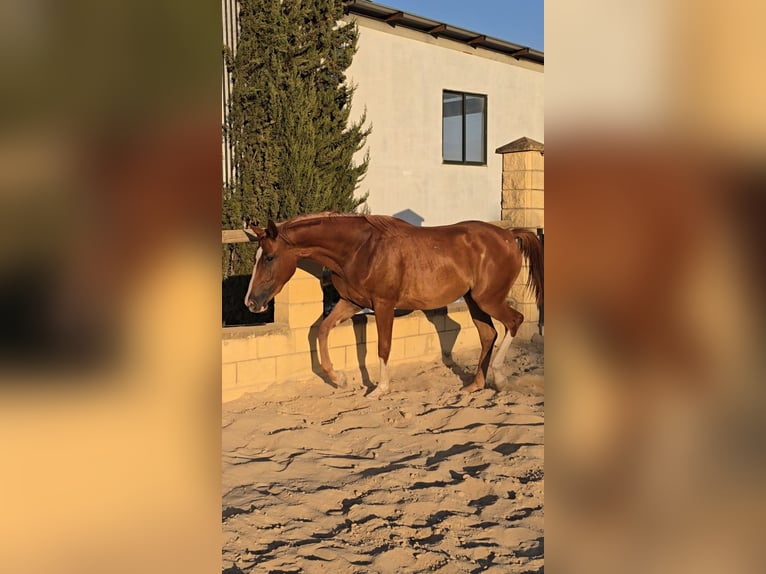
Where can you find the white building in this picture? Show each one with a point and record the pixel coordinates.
(441, 100)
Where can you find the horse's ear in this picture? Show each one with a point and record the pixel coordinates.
(258, 232)
(271, 230)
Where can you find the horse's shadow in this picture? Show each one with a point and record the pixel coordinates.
(316, 366)
(359, 323)
(447, 337)
(446, 328)
(360, 334)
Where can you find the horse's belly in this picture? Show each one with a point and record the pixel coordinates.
(438, 296)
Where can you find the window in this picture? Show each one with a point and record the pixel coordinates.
(464, 128)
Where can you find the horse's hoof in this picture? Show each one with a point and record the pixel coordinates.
(473, 387)
(499, 381)
(341, 381)
(377, 392)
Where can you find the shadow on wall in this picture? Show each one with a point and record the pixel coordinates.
(446, 328)
(360, 334)
(410, 217)
(359, 323)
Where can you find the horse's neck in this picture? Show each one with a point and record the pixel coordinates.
(331, 247)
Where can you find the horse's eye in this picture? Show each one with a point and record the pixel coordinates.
(268, 258)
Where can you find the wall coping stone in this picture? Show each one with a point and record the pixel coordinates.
(521, 144)
(247, 332)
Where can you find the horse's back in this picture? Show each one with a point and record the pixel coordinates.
(429, 267)
(457, 243)
(477, 235)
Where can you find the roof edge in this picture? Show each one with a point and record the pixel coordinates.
(395, 17)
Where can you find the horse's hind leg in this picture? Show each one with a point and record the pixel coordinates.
(487, 335)
(512, 320)
(343, 310)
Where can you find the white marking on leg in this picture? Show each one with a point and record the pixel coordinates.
(499, 359)
(383, 384)
(258, 255)
(384, 377)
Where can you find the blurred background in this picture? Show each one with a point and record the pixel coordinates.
(655, 141)
(110, 286)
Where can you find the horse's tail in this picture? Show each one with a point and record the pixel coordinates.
(532, 250)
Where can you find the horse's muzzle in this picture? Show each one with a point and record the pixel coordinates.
(256, 305)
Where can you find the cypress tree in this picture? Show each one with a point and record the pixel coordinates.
(288, 121)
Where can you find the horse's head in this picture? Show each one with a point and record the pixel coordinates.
(274, 264)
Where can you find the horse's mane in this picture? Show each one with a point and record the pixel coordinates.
(385, 224)
(315, 216)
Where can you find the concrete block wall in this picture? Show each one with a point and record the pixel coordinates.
(255, 357)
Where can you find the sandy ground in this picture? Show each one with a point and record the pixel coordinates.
(426, 479)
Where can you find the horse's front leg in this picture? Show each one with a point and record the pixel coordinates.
(384, 320)
(343, 310)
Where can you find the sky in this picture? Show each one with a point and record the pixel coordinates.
(517, 21)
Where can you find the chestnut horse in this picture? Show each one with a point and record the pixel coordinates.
(384, 263)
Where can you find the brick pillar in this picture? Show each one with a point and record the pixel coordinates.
(523, 168)
(523, 206)
(299, 304)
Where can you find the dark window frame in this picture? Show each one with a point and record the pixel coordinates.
(483, 162)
